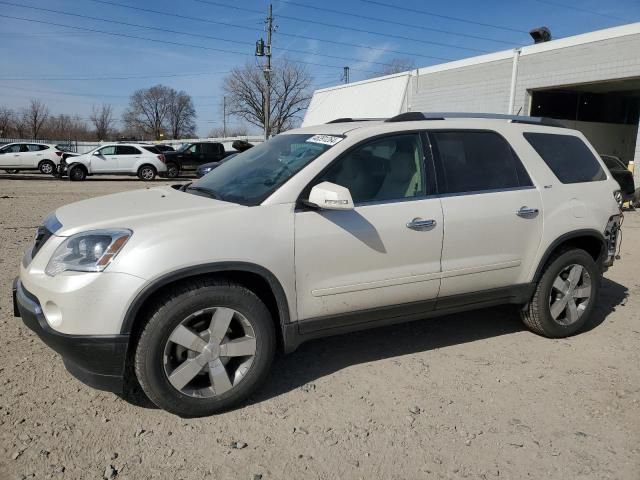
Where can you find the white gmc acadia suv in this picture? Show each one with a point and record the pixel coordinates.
(321, 230)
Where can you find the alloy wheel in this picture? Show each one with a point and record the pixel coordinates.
(147, 174)
(209, 352)
(570, 294)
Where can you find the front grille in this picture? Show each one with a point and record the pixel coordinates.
(42, 235)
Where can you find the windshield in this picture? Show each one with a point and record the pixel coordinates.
(251, 176)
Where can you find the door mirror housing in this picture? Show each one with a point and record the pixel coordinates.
(329, 196)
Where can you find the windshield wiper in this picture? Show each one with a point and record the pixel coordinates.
(206, 191)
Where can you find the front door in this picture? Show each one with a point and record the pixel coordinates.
(105, 160)
(386, 251)
(10, 156)
(492, 212)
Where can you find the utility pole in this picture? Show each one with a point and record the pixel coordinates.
(224, 117)
(264, 50)
(345, 75)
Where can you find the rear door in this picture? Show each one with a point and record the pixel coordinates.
(35, 155)
(128, 156)
(492, 212)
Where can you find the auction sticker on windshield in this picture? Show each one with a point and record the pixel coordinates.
(325, 139)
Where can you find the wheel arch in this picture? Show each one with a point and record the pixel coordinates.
(256, 278)
(590, 240)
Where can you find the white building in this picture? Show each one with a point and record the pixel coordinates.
(591, 82)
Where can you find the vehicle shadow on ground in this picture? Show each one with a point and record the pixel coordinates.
(322, 357)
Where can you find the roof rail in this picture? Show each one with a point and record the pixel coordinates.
(348, 119)
(415, 116)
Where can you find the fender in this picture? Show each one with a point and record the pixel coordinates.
(153, 286)
(568, 236)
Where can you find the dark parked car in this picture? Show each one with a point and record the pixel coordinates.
(622, 175)
(205, 168)
(164, 148)
(191, 155)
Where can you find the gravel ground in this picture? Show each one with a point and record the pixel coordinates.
(465, 396)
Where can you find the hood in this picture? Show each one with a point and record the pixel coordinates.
(135, 208)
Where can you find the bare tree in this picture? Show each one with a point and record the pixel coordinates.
(66, 127)
(148, 111)
(290, 94)
(7, 122)
(237, 131)
(181, 116)
(396, 65)
(102, 120)
(34, 117)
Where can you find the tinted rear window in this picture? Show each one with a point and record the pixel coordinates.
(127, 150)
(567, 156)
(151, 149)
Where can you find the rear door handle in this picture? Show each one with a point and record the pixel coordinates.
(420, 224)
(526, 212)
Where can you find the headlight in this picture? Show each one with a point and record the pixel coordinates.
(206, 170)
(87, 251)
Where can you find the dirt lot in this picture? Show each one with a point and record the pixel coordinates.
(465, 396)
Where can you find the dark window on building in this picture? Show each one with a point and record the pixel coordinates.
(470, 161)
(567, 156)
(127, 150)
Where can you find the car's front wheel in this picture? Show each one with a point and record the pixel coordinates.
(565, 295)
(77, 173)
(207, 346)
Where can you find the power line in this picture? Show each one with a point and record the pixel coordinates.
(392, 22)
(584, 10)
(284, 34)
(438, 15)
(133, 77)
(178, 32)
(164, 41)
(351, 29)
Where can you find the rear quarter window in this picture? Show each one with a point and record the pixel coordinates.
(567, 156)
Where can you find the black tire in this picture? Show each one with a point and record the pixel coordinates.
(186, 301)
(172, 170)
(77, 173)
(12, 170)
(47, 167)
(147, 173)
(537, 315)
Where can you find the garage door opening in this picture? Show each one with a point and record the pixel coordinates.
(607, 113)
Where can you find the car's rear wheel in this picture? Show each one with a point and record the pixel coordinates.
(565, 295)
(147, 173)
(206, 347)
(77, 173)
(47, 167)
(172, 170)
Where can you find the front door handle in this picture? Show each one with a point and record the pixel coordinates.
(526, 212)
(420, 224)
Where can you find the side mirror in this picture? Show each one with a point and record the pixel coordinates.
(329, 196)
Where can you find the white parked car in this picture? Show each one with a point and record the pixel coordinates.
(30, 156)
(145, 161)
(318, 231)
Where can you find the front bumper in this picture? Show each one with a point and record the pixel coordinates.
(96, 360)
(611, 234)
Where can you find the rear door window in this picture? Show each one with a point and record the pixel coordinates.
(475, 161)
(567, 156)
(127, 150)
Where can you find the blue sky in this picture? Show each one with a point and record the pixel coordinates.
(71, 69)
